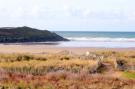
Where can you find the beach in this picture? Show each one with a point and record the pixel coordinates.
(46, 48)
(67, 44)
(81, 63)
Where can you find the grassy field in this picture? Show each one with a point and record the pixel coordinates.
(66, 70)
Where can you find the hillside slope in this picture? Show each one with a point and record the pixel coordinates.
(27, 34)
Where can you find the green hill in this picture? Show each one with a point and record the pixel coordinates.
(27, 34)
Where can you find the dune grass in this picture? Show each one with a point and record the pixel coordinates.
(65, 71)
(38, 67)
(67, 80)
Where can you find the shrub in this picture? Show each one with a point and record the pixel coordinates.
(24, 58)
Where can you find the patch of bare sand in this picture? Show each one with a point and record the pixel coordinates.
(24, 48)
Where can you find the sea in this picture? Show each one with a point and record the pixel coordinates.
(98, 39)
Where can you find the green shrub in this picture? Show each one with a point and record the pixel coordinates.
(128, 75)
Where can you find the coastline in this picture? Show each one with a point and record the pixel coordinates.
(52, 48)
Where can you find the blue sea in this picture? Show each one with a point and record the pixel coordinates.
(98, 39)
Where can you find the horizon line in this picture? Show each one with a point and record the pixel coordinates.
(87, 31)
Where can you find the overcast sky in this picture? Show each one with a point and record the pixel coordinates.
(107, 15)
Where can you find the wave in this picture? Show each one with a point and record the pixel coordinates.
(105, 39)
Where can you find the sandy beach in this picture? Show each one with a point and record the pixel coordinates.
(47, 48)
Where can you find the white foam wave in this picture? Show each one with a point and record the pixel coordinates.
(102, 39)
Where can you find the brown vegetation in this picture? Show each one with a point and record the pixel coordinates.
(66, 70)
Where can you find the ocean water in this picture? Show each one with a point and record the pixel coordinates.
(98, 39)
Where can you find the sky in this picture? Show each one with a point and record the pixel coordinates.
(73, 15)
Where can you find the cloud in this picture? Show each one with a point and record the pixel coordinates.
(66, 13)
(131, 16)
(86, 12)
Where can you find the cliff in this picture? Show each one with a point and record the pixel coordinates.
(27, 34)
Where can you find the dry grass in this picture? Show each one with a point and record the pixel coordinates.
(67, 71)
(38, 67)
(66, 80)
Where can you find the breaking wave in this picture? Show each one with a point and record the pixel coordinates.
(101, 39)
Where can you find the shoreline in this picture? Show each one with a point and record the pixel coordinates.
(51, 48)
